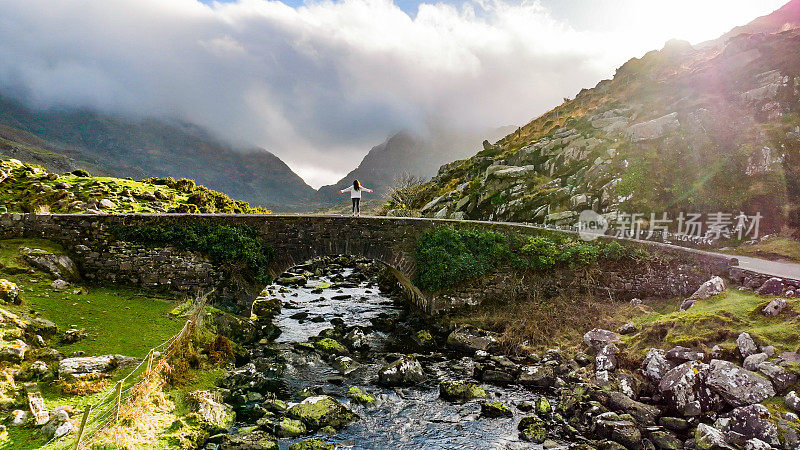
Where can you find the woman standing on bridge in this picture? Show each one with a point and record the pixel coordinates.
(355, 196)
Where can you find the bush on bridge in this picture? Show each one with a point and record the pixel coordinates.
(447, 256)
(223, 244)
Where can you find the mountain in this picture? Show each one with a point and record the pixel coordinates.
(711, 128)
(125, 147)
(408, 153)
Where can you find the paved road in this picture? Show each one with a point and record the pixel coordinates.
(774, 268)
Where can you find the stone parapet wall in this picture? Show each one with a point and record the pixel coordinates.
(103, 259)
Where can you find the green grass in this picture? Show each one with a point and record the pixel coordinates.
(775, 248)
(717, 320)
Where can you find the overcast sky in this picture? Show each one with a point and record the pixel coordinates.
(320, 82)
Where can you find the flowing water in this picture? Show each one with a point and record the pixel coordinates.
(401, 418)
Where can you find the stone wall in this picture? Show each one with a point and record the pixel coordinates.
(103, 259)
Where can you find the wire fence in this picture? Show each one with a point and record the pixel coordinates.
(107, 411)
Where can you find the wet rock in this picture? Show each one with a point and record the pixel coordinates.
(709, 289)
(537, 376)
(9, 292)
(470, 339)
(617, 401)
(249, 439)
(267, 307)
(599, 338)
(321, 411)
(292, 280)
(330, 346)
(358, 395)
(682, 354)
(406, 371)
(495, 409)
(461, 391)
(773, 286)
(747, 346)
(736, 385)
(344, 364)
(708, 437)
(312, 444)
(532, 429)
(356, 339)
(655, 365)
(287, 427)
(752, 421)
(774, 307)
(792, 400)
(618, 427)
(683, 389)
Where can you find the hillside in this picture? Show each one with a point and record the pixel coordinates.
(684, 129)
(123, 147)
(32, 189)
(407, 153)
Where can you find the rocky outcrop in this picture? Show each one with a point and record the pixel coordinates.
(58, 266)
(736, 385)
(9, 292)
(406, 371)
(653, 129)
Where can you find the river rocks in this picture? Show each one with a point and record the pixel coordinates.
(736, 385)
(267, 308)
(249, 439)
(461, 391)
(312, 444)
(532, 429)
(617, 401)
(774, 307)
(58, 426)
(665, 440)
(358, 395)
(618, 427)
(9, 292)
(330, 346)
(58, 266)
(321, 411)
(684, 391)
(468, 338)
(292, 280)
(495, 409)
(751, 421)
(287, 427)
(537, 376)
(599, 338)
(406, 371)
(215, 416)
(13, 351)
(747, 346)
(709, 289)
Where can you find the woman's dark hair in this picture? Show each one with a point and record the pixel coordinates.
(356, 185)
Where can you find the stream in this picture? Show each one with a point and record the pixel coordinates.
(414, 417)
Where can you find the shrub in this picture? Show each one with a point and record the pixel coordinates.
(539, 253)
(81, 173)
(613, 251)
(225, 244)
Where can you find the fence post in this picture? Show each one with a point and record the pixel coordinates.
(149, 362)
(85, 418)
(119, 399)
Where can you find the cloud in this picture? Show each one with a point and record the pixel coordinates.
(319, 84)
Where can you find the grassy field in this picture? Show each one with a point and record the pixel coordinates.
(774, 248)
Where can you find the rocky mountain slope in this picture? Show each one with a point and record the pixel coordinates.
(124, 147)
(684, 129)
(407, 153)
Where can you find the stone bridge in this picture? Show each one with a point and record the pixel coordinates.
(104, 258)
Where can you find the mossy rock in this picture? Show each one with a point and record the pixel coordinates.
(322, 411)
(461, 391)
(543, 406)
(495, 409)
(267, 307)
(304, 346)
(359, 395)
(9, 292)
(532, 429)
(290, 428)
(276, 406)
(330, 347)
(312, 444)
